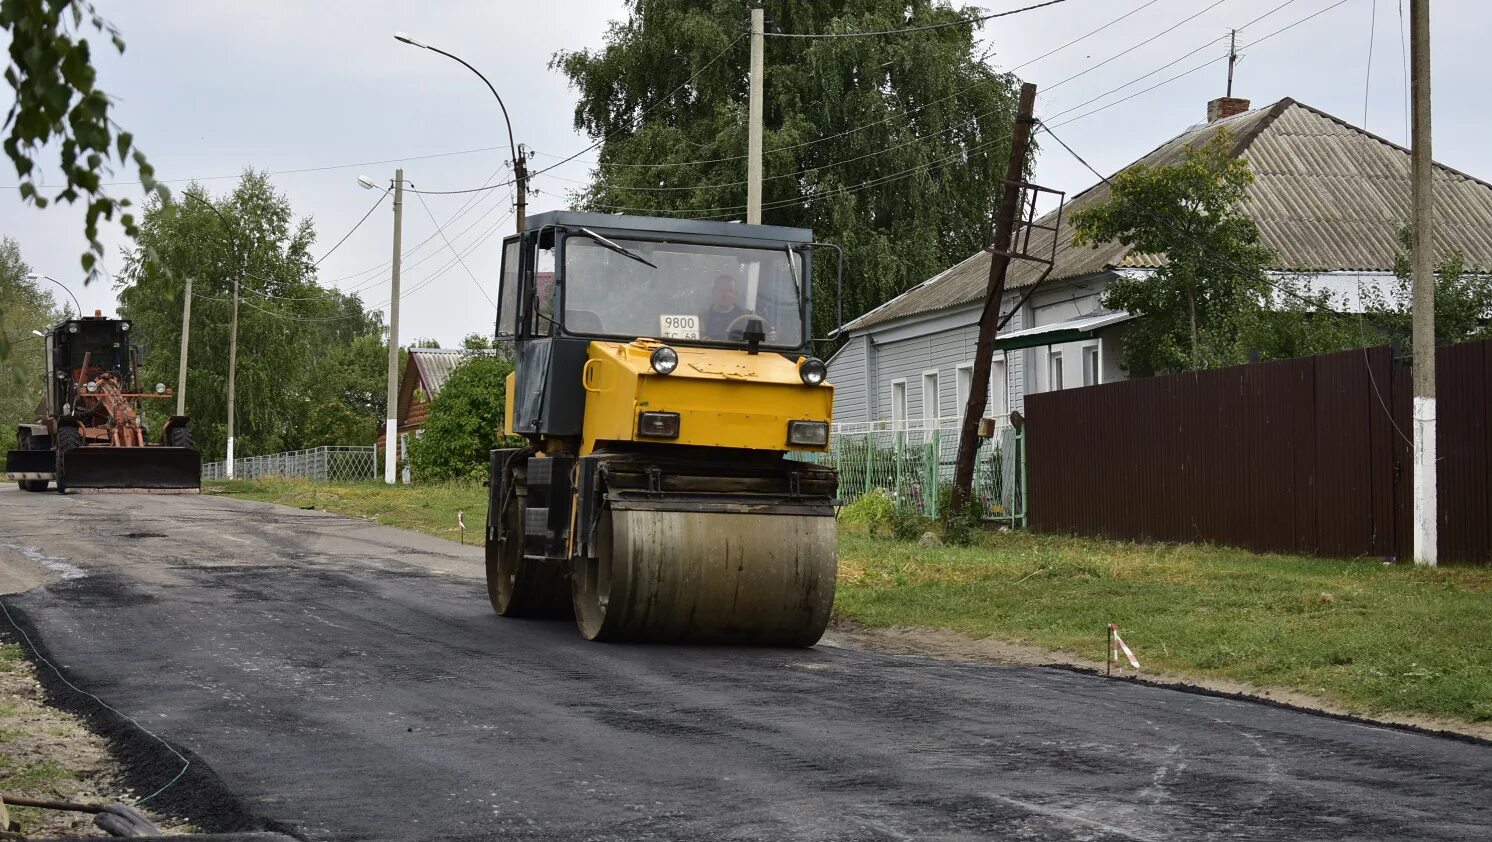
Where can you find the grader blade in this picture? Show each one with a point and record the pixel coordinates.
(24, 465)
(102, 468)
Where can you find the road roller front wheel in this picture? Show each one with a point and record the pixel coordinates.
(520, 587)
(707, 577)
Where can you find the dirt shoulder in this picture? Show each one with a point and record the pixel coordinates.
(49, 754)
(951, 645)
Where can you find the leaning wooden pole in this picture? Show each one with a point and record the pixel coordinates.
(1010, 199)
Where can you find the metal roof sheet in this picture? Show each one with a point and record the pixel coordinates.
(436, 364)
(1327, 196)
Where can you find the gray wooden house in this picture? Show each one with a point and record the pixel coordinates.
(1329, 199)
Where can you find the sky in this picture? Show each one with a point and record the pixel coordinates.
(210, 88)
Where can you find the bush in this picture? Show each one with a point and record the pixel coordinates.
(906, 523)
(465, 422)
(960, 528)
(873, 509)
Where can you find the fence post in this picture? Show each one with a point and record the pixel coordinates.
(901, 446)
(934, 464)
(869, 458)
(1020, 472)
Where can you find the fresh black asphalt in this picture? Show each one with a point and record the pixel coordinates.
(340, 680)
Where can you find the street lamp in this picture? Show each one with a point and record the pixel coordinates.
(37, 276)
(520, 168)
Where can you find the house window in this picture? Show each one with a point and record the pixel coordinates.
(898, 404)
(1053, 371)
(1090, 365)
(963, 384)
(930, 407)
(999, 386)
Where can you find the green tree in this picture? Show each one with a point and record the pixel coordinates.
(892, 147)
(57, 102)
(24, 307)
(346, 395)
(465, 422)
(1194, 307)
(1463, 298)
(287, 323)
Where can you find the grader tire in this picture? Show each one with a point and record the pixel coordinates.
(519, 587)
(707, 577)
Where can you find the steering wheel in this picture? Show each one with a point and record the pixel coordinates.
(734, 335)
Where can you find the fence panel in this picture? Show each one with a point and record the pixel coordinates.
(320, 464)
(914, 462)
(1309, 455)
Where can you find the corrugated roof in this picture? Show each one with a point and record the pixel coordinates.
(436, 364)
(1327, 196)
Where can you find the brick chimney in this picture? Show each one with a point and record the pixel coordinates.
(1225, 106)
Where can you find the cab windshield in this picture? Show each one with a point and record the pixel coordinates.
(717, 294)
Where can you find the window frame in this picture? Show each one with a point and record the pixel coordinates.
(1054, 370)
(899, 403)
(931, 376)
(1094, 352)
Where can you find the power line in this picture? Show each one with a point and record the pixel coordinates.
(1367, 81)
(1202, 66)
(962, 22)
(441, 231)
(1085, 71)
(1085, 37)
(301, 169)
(359, 224)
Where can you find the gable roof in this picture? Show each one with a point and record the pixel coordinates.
(1327, 196)
(428, 369)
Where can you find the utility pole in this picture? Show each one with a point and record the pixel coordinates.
(186, 329)
(1232, 58)
(754, 122)
(1422, 311)
(391, 426)
(520, 179)
(233, 367)
(1010, 199)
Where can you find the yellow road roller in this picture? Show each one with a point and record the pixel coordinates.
(663, 374)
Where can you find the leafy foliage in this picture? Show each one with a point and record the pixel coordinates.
(310, 359)
(1195, 307)
(1463, 299)
(465, 422)
(57, 101)
(24, 307)
(853, 128)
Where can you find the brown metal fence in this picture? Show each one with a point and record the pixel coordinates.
(1303, 456)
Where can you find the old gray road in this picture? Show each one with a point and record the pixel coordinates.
(347, 681)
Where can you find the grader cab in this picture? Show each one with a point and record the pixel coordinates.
(89, 433)
(663, 374)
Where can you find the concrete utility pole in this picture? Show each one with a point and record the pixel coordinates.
(391, 426)
(186, 329)
(754, 122)
(989, 319)
(232, 370)
(1423, 307)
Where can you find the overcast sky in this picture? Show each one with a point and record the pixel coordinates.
(209, 88)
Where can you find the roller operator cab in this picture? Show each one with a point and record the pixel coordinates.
(663, 374)
(89, 432)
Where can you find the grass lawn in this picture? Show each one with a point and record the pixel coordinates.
(1368, 637)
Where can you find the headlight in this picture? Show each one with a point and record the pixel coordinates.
(813, 371)
(658, 425)
(808, 433)
(124, 327)
(72, 327)
(160, 388)
(91, 386)
(664, 360)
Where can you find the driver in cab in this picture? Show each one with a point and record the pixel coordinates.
(715, 321)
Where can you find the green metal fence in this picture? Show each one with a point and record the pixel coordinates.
(914, 462)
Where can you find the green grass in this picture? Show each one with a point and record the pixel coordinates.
(1369, 637)
(426, 508)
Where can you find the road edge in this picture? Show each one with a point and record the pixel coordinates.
(144, 760)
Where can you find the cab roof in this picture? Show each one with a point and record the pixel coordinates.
(622, 224)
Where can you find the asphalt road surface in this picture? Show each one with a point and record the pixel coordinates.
(346, 681)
